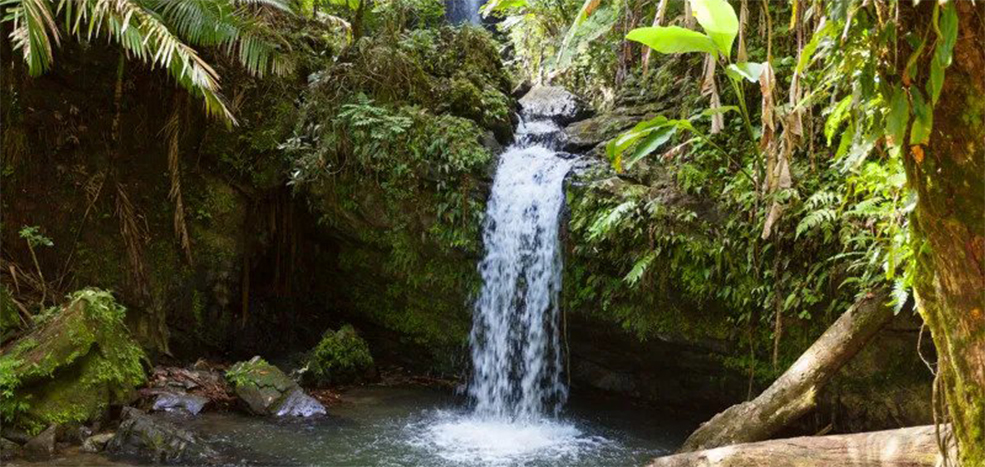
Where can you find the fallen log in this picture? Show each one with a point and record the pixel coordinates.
(905, 447)
(794, 393)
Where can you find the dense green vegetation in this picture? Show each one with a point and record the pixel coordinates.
(755, 170)
(340, 357)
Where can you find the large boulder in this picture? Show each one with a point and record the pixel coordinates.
(159, 441)
(553, 102)
(78, 361)
(42, 446)
(265, 390)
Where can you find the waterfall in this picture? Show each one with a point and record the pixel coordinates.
(463, 11)
(515, 339)
(517, 386)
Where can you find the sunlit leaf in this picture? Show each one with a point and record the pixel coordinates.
(673, 39)
(719, 21)
(650, 143)
(748, 70)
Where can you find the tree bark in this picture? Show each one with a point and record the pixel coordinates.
(906, 447)
(793, 394)
(948, 229)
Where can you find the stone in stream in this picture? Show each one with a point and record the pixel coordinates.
(158, 440)
(299, 404)
(96, 443)
(265, 390)
(177, 401)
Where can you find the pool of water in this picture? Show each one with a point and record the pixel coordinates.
(417, 426)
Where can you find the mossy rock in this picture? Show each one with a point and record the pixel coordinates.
(78, 361)
(268, 391)
(341, 357)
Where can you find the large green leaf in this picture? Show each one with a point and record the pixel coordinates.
(673, 39)
(719, 21)
(651, 143)
(747, 70)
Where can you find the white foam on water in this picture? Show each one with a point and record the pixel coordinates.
(473, 440)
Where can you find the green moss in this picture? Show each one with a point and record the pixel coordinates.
(393, 168)
(340, 357)
(73, 366)
(257, 373)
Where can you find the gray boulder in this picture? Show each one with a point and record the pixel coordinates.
(42, 446)
(553, 102)
(176, 401)
(158, 441)
(299, 404)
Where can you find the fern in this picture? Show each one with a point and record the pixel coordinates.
(639, 268)
(605, 223)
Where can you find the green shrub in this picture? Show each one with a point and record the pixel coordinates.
(341, 357)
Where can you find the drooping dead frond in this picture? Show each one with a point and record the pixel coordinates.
(710, 88)
(135, 234)
(658, 19)
(171, 131)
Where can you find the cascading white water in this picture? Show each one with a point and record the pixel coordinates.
(517, 387)
(516, 352)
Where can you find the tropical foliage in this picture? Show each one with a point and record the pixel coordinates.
(159, 33)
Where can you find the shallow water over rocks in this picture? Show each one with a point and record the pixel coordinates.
(420, 426)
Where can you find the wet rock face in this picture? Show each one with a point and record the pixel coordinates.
(159, 441)
(299, 404)
(555, 103)
(265, 390)
(42, 446)
(176, 401)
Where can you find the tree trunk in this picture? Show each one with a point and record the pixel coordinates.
(793, 394)
(907, 447)
(949, 231)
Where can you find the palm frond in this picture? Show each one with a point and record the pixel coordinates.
(145, 36)
(275, 4)
(33, 31)
(227, 25)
